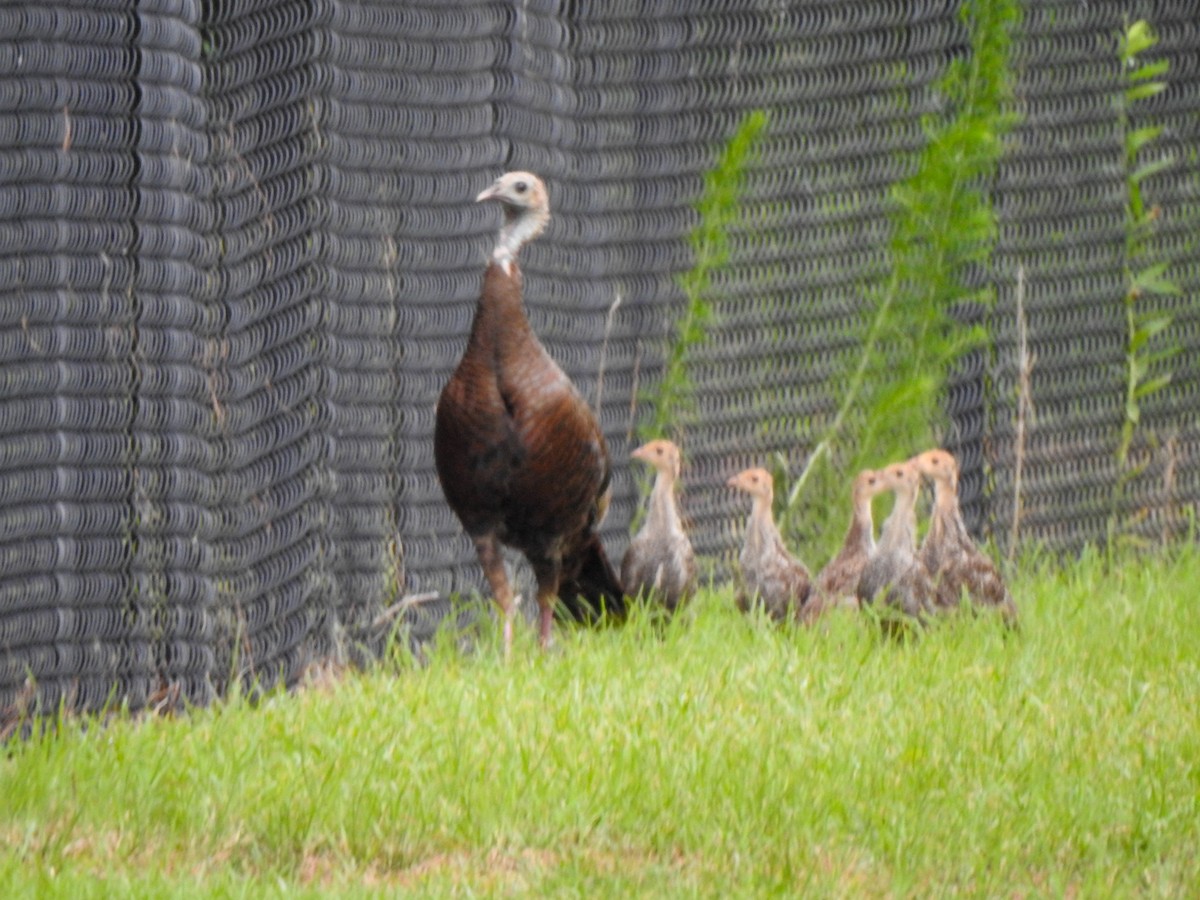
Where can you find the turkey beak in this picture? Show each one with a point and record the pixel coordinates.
(732, 482)
(639, 453)
(486, 194)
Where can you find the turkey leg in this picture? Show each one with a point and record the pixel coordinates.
(492, 560)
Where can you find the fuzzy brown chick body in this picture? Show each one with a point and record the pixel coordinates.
(660, 563)
(954, 561)
(838, 580)
(894, 577)
(770, 575)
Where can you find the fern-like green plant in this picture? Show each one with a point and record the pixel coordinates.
(717, 207)
(1145, 326)
(943, 227)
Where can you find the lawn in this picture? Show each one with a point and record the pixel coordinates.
(719, 756)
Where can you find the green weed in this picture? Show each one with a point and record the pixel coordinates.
(717, 207)
(1146, 327)
(944, 229)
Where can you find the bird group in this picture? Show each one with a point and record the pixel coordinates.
(523, 463)
(908, 584)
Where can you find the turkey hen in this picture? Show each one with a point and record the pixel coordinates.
(770, 575)
(949, 553)
(660, 563)
(894, 577)
(838, 581)
(519, 453)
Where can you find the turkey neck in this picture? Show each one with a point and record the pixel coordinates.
(947, 524)
(518, 228)
(900, 530)
(662, 503)
(860, 533)
(500, 325)
(762, 532)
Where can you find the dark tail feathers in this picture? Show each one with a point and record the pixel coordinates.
(591, 587)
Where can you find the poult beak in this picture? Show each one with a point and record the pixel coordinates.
(732, 482)
(487, 193)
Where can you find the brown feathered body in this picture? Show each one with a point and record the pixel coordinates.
(519, 453)
(954, 561)
(894, 577)
(770, 575)
(659, 563)
(838, 581)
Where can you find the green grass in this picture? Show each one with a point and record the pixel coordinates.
(718, 757)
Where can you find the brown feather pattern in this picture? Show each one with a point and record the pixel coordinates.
(770, 575)
(520, 455)
(660, 563)
(894, 577)
(956, 564)
(839, 579)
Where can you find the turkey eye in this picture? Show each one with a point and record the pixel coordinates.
(520, 187)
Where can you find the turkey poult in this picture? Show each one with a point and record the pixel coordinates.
(519, 453)
(660, 563)
(838, 581)
(950, 555)
(770, 575)
(894, 577)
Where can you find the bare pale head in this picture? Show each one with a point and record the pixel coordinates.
(937, 465)
(522, 196)
(755, 482)
(867, 484)
(662, 454)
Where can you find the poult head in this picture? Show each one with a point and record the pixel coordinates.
(662, 454)
(938, 466)
(867, 484)
(901, 478)
(755, 482)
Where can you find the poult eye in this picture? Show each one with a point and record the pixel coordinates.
(520, 187)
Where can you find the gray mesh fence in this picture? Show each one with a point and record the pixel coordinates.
(1061, 198)
(239, 258)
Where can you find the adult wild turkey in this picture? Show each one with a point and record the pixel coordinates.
(838, 581)
(894, 576)
(949, 553)
(519, 453)
(770, 575)
(660, 563)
